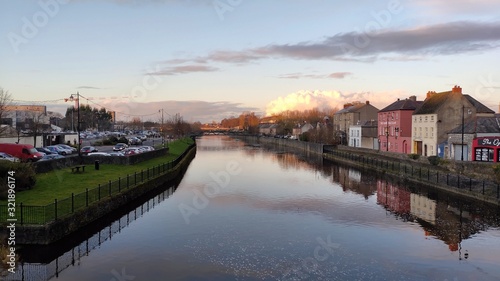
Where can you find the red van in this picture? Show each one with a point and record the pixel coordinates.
(25, 152)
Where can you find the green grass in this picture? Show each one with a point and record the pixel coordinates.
(62, 183)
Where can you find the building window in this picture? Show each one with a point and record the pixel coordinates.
(420, 119)
(426, 118)
(484, 154)
(432, 118)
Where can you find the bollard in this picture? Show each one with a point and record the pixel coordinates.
(55, 209)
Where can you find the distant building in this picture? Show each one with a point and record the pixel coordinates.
(394, 125)
(352, 114)
(364, 135)
(439, 114)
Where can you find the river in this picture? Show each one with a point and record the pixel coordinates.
(249, 212)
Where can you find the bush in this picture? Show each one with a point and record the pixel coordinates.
(24, 173)
(123, 140)
(414, 156)
(496, 171)
(434, 160)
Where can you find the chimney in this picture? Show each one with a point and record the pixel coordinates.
(430, 94)
(367, 102)
(456, 89)
(413, 98)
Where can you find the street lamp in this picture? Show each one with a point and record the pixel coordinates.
(77, 100)
(463, 125)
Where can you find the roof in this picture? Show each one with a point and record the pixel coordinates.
(406, 104)
(479, 125)
(480, 108)
(432, 103)
(352, 108)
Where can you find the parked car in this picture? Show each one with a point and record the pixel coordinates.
(88, 149)
(143, 137)
(8, 157)
(59, 150)
(25, 152)
(70, 148)
(116, 154)
(45, 150)
(99, 153)
(131, 151)
(120, 146)
(147, 148)
(48, 157)
(134, 141)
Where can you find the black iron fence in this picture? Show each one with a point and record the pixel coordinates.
(425, 174)
(43, 272)
(29, 214)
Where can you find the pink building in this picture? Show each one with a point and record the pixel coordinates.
(395, 125)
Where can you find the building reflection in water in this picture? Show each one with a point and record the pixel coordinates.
(448, 220)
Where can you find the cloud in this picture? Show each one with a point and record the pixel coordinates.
(323, 100)
(183, 69)
(419, 42)
(297, 75)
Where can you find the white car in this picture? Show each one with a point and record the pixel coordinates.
(6, 156)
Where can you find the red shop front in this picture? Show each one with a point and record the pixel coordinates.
(486, 149)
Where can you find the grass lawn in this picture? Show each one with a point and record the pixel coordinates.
(61, 183)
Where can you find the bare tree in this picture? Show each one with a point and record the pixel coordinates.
(5, 101)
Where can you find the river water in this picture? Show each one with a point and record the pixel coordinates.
(250, 212)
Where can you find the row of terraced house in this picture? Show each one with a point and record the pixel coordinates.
(450, 124)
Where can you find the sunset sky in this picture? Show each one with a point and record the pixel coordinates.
(212, 59)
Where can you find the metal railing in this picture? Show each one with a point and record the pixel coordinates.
(425, 174)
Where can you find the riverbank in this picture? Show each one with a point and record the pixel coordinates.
(464, 179)
(96, 204)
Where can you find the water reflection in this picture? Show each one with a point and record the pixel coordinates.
(45, 262)
(272, 220)
(449, 220)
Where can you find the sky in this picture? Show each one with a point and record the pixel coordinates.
(212, 59)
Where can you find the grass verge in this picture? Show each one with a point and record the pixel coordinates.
(60, 184)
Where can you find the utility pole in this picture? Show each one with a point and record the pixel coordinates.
(463, 120)
(77, 104)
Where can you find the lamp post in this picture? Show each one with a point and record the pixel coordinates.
(72, 98)
(463, 121)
